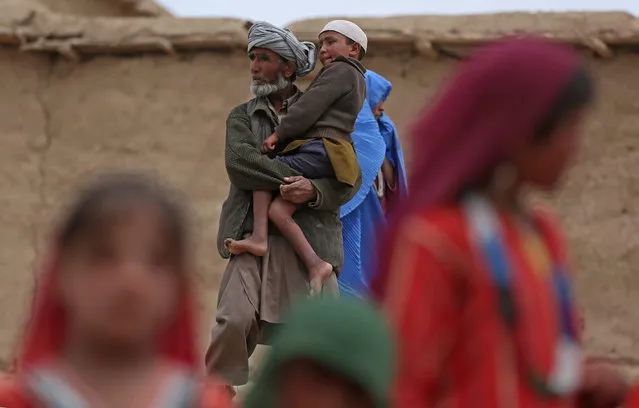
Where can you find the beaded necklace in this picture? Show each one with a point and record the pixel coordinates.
(565, 374)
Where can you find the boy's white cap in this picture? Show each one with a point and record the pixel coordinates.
(348, 29)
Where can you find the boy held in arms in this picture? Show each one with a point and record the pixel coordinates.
(314, 138)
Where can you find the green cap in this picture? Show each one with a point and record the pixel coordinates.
(346, 336)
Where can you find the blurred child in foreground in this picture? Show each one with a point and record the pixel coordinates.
(476, 282)
(113, 317)
(332, 353)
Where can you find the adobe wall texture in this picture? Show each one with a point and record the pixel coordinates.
(96, 8)
(60, 120)
(84, 7)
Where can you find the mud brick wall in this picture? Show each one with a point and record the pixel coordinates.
(61, 120)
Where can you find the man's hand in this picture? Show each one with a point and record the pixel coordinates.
(269, 143)
(299, 190)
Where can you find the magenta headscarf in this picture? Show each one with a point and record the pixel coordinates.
(493, 104)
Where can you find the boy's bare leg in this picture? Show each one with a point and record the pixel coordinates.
(281, 213)
(257, 242)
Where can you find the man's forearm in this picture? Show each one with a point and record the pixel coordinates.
(247, 167)
(256, 172)
(252, 182)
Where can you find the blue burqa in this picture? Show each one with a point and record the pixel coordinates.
(362, 216)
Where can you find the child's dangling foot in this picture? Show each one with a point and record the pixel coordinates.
(252, 245)
(317, 275)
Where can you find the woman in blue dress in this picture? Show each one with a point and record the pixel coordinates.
(383, 182)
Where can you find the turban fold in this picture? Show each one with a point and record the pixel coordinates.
(285, 44)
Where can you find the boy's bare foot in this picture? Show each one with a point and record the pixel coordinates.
(251, 245)
(318, 275)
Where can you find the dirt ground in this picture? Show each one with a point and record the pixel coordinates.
(61, 120)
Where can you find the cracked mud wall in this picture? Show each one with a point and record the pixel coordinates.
(93, 8)
(167, 114)
(600, 212)
(22, 126)
(150, 113)
(96, 8)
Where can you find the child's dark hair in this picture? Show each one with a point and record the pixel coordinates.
(85, 217)
(579, 93)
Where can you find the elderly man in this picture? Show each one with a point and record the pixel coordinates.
(255, 290)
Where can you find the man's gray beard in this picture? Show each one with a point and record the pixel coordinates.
(261, 90)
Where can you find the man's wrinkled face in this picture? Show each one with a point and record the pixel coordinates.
(269, 72)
